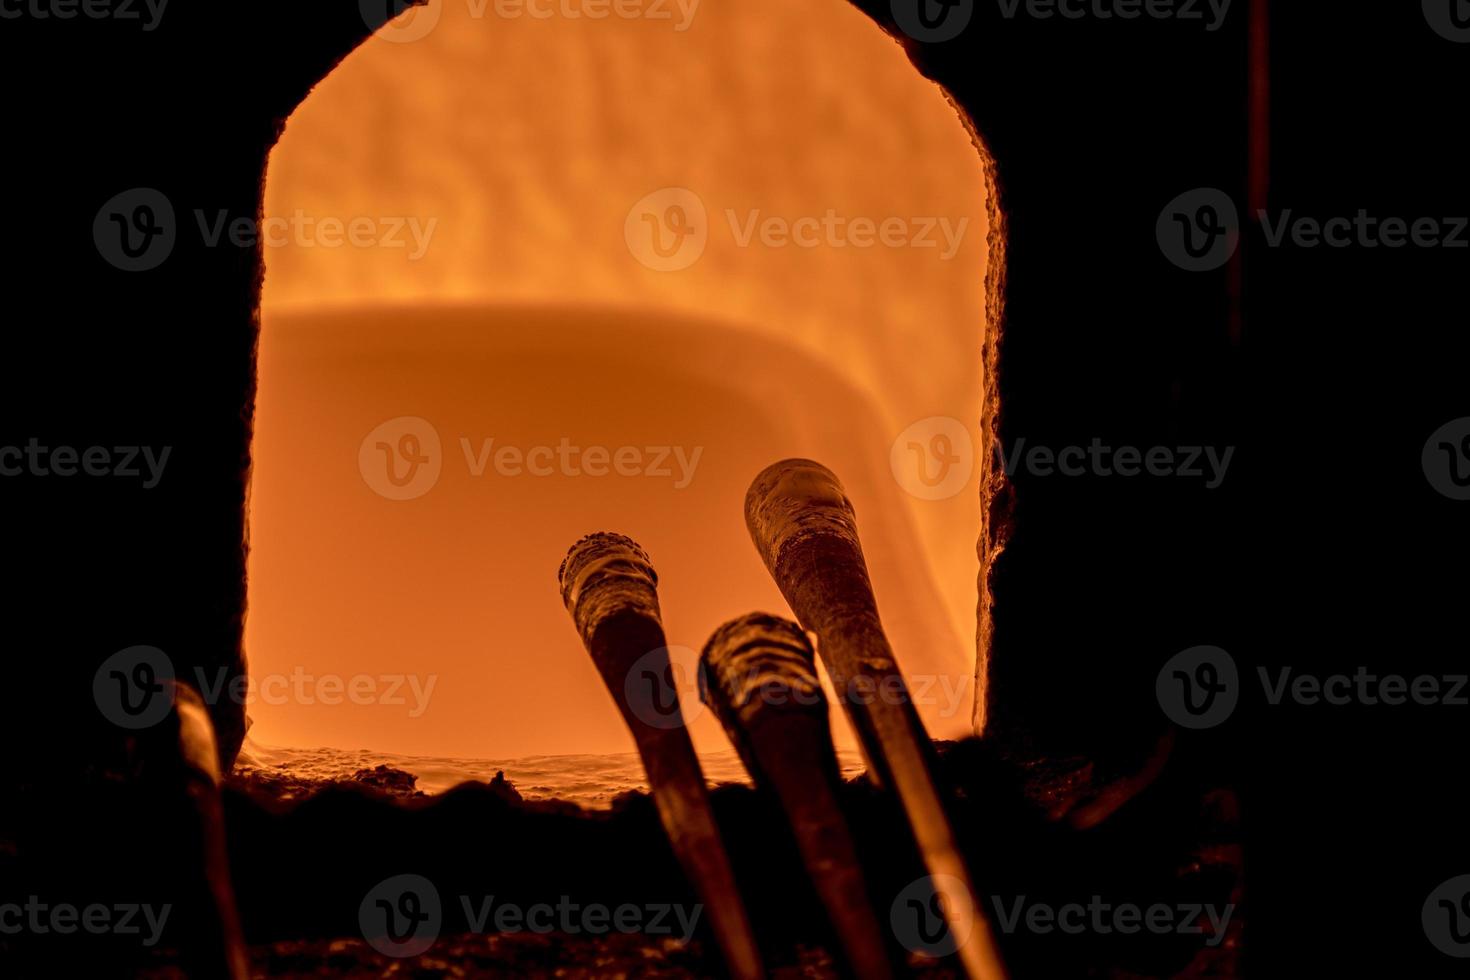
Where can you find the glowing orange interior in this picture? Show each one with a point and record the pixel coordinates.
(465, 219)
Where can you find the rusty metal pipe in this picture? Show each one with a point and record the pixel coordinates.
(805, 529)
(759, 677)
(610, 588)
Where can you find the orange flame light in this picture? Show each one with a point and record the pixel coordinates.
(532, 272)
